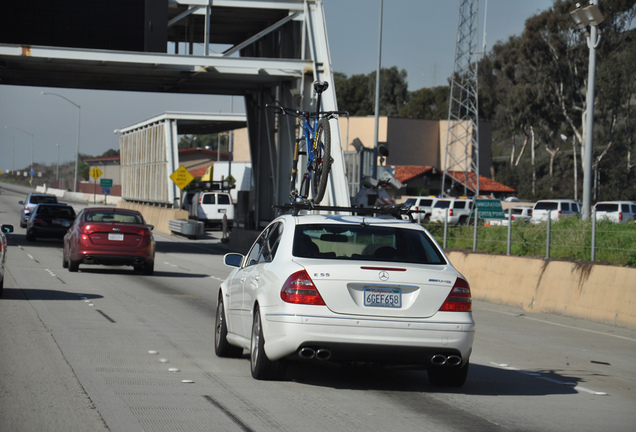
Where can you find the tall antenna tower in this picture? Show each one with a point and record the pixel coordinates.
(461, 155)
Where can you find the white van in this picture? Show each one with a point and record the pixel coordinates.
(557, 208)
(210, 207)
(458, 210)
(616, 211)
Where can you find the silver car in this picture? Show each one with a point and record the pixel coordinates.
(31, 202)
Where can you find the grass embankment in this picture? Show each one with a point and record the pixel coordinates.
(570, 239)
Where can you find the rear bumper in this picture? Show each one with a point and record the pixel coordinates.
(111, 258)
(394, 341)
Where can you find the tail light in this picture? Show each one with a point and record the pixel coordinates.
(300, 289)
(459, 298)
(143, 232)
(620, 216)
(87, 230)
(450, 212)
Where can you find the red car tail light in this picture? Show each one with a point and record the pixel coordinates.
(459, 298)
(620, 216)
(450, 212)
(300, 289)
(143, 232)
(87, 230)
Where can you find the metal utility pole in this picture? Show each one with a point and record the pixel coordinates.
(377, 97)
(461, 154)
(589, 16)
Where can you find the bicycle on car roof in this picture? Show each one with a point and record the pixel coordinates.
(314, 142)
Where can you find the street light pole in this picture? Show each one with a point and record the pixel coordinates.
(32, 146)
(58, 164)
(377, 96)
(79, 120)
(589, 16)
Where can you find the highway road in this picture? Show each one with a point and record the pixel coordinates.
(108, 349)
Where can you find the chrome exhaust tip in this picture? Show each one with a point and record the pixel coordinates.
(438, 359)
(323, 354)
(453, 360)
(306, 353)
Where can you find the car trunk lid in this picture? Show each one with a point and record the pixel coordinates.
(398, 290)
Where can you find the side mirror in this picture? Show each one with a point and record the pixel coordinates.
(7, 229)
(233, 259)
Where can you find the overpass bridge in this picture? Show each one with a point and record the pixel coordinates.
(260, 50)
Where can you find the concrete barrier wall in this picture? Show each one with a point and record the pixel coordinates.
(155, 215)
(63, 195)
(591, 291)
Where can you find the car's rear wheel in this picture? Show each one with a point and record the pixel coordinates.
(64, 260)
(262, 367)
(149, 268)
(448, 376)
(73, 266)
(222, 347)
(30, 236)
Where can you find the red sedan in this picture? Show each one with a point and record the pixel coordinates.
(110, 236)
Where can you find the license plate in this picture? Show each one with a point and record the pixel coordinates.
(222, 210)
(382, 297)
(63, 222)
(116, 237)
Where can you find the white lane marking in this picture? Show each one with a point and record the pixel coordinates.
(552, 380)
(216, 278)
(562, 325)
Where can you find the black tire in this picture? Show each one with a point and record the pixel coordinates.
(149, 268)
(222, 347)
(448, 376)
(262, 367)
(64, 260)
(322, 164)
(30, 236)
(73, 266)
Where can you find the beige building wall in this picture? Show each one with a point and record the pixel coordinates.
(410, 141)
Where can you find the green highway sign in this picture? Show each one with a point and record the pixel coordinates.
(105, 183)
(489, 209)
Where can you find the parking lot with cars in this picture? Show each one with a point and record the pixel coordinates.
(106, 348)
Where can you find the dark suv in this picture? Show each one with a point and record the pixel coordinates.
(29, 204)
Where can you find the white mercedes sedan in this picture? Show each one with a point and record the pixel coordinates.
(347, 289)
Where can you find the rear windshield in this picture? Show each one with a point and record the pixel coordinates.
(607, 207)
(368, 243)
(548, 205)
(224, 199)
(37, 199)
(55, 211)
(110, 216)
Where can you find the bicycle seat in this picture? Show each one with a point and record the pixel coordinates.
(321, 86)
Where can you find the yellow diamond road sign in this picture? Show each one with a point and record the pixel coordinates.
(95, 173)
(181, 177)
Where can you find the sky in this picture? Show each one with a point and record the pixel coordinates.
(417, 35)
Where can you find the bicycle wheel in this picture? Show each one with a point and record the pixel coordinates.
(322, 163)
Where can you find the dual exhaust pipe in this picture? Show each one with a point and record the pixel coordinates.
(307, 353)
(444, 360)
